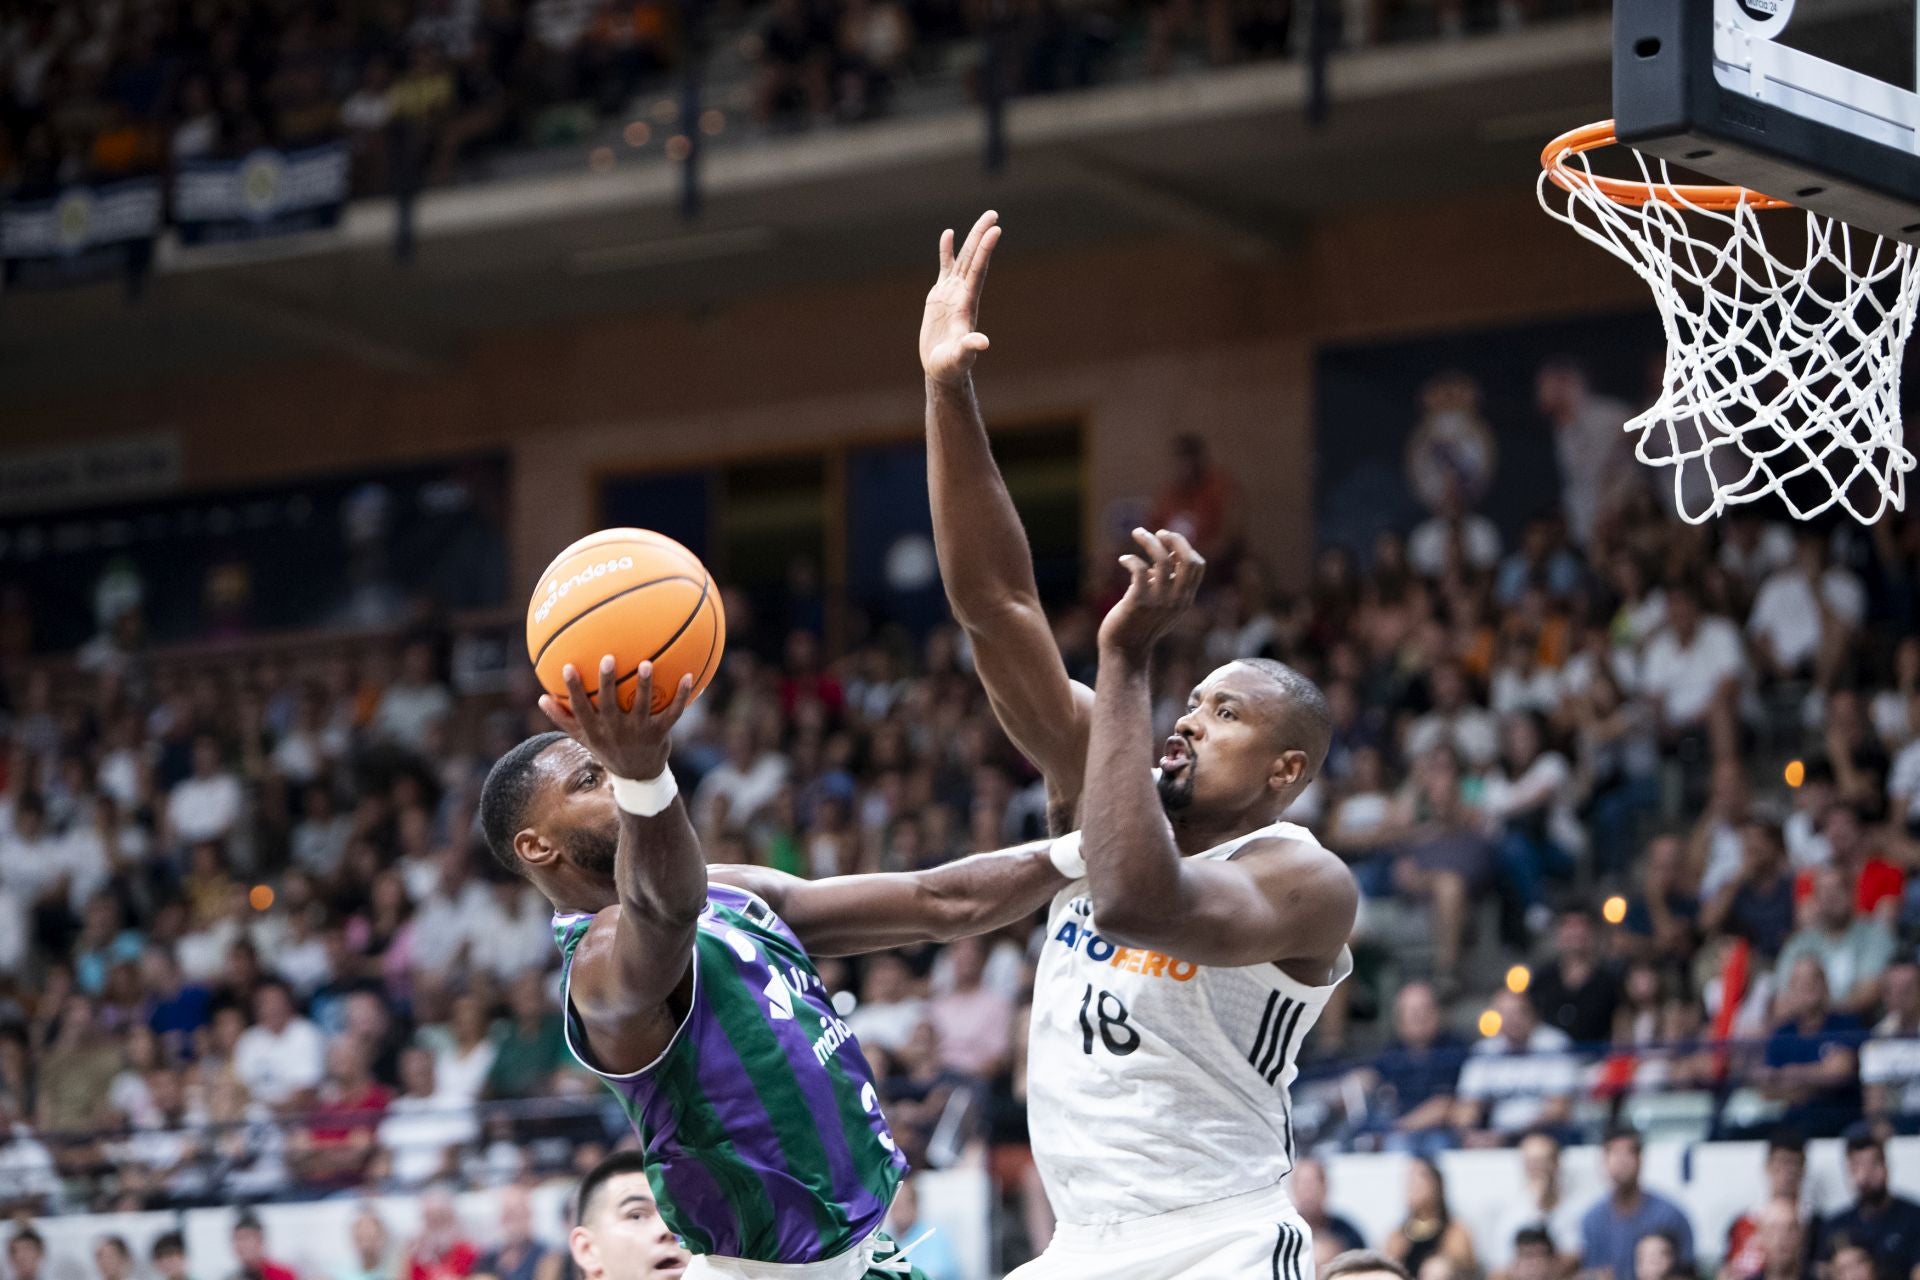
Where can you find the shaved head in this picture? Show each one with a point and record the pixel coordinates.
(1306, 722)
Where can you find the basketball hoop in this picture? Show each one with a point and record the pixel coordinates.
(1782, 377)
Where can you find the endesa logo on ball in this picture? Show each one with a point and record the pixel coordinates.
(558, 588)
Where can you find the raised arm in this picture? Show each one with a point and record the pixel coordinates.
(631, 973)
(985, 562)
(851, 915)
(1282, 901)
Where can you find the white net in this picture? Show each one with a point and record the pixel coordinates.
(1782, 376)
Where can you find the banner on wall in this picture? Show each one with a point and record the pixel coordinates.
(84, 233)
(82, 474)
(264, 193)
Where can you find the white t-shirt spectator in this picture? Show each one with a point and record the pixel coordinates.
(204, 808)
(275, 1067)
(1684, 678)
(1773, 549)
(887, 1025)
(1427, 545)
(1548, 780)
(319, 846)
(460, 1078)
(119, 776)
(1471, 731)
(1562, 1224)
(508, 944)
(443, 923)
(1893, 1060)
(1520, 1085)
(298, 757)
(1786, 615)
(406, 711)
(1892, 716)
(418, 1133)
(1903, 781)
(29, 867)
(13, 930)
(26, 1169)
(745, 789)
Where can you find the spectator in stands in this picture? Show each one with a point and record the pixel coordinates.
(414, 703)
(1810, 1062)
(1778, 1249)
(1805, 612)
(26, 1251)
(441, 1251)
(250, 1250)
(1364, 1264)
(1529, 795)
(1455, 721)
(333, 1149)
(1429, 1229)
(1885, 1225)
(748, 778)
(372, 1245)
(1853, 950)
(1657, 1257)
(1578, 990)
(1614, 1227)
(463, 1052)
(1875, 884)
(1757, 903)
(421, 1135)
(931, 1251)
(1412, 1083)
(1598, 472)
(1332, 1234)
(206, 805)
(519, 1255)
(1542, 1208)
(281, 1058)
(1444, 858)
(974, 1022)
(1664, 915)
(1786, 1173)
(918, 1090)
(1693, 669)
(1533, 1257)
(532, 1052)
(78, 1070)
(889, 1008)
(1890, 1059)
(1453, 535)
(170, 1256)
(1523, 1077)
(1201, 502)
(112, 1259)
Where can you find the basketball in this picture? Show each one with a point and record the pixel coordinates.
(637, 595)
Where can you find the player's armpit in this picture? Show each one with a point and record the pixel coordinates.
(631, 985)
(852, 915)
(1281, 902)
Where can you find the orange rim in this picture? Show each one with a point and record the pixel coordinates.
(1623, 191)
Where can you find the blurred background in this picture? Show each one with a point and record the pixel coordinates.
(324, 325)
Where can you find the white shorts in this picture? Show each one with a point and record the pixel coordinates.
(1256, 1236)
(855, 1264)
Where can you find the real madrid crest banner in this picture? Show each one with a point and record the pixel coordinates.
(81, 234)
(264, 193)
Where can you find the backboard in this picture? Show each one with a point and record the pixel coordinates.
(1812, 101)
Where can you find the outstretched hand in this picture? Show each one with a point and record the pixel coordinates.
(1165, 580)
(949, 340)
(630, 743)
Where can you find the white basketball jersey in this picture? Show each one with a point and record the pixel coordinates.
(1154, 1084)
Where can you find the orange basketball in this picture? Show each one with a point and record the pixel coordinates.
(637, 595)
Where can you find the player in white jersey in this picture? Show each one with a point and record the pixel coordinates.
(1183, 969)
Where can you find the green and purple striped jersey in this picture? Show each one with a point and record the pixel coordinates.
(761, 1123)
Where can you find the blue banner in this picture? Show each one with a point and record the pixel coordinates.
(82, 234)
(264, 193)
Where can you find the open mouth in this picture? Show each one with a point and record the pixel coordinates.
(670, 1267)
(1177, 756)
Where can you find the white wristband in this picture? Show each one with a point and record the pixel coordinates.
(1066, 856)
(645, 799)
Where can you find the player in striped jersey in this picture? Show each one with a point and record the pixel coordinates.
(1185, 966)
(695, 998)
